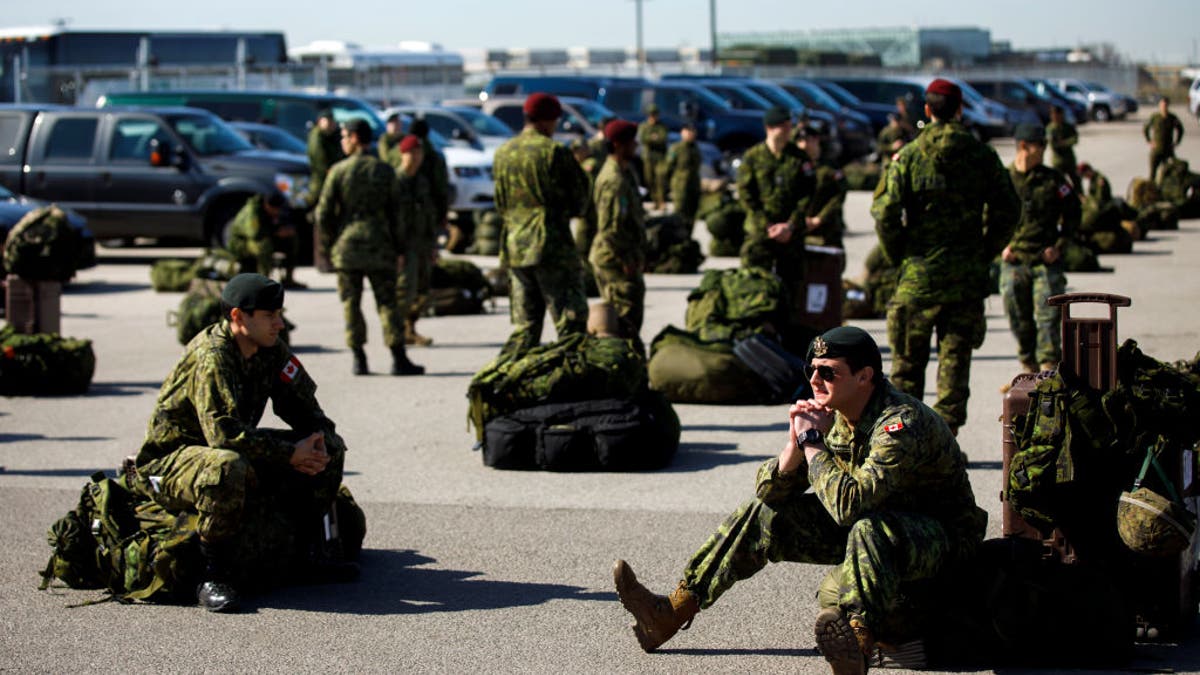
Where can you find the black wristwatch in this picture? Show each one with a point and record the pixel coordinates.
(810, 437)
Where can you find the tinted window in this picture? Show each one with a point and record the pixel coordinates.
(71, 138)
(238, 111)
(131, 139)
(511, 115)
(624, 100)
(266, 49)
(10, 139)
(208, 136)
(99, 49)
(506, 89)
(442, 124)
(295, 116)
(177, 50)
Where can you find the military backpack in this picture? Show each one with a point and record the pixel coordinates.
(734, 304)
(458, 287)
(42, 246)
(44, 364)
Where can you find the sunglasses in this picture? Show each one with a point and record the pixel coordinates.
(826, 373)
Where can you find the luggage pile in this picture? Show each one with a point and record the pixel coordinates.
(1180, 187)
(173, 275)
(868, 298)
(1153, 211)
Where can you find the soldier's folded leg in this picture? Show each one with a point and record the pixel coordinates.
(216, 592)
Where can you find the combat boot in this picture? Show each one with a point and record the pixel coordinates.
(401, 365)
(216, 593)
(844, 642)
(360, 362)
(412, 337)
(657, 617)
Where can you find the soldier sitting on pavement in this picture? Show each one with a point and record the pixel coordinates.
(259, 231)
(205, 452)
(871, 480)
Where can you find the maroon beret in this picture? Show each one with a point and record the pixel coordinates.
(620, 131)
(945, 88)
(540, 107)
(409, 143)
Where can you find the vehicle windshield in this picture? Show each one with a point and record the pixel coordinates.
(282, 140)
(484, 125)
(707, 97)
(593, 112)
(743, 97)
(817, 96)
(840, 93)
(345, 110)
(970, 93)
(208, 136)
(1096, 86)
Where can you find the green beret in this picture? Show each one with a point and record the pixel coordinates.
(847, 342)
(1030, 133)
(776, 115)
(249, 292)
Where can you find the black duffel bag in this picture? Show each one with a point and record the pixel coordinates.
(599, 435)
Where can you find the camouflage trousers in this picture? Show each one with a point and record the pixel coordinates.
(1158, 156)
(881, 560)
(627, 295)
(654, 173)
(262, 252)
(412, 286)
(687, 203)
(960, 328)
(557, 287)
(383, 285)
(1036, 325)
(215, 484)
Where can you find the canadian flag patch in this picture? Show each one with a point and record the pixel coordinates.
(290, 370)
(893, 428)
(1064, 190)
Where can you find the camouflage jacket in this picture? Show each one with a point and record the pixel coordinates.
(1099, 190)
(248, 225)
(358, 215)
(943, 210)
(324, 150)
(433, 168)
(887, 136)
(215, 397)
(388, 152)
(899, 457)
(1050, 212)
(775, 189)
(683, 169)
(417, 216)
(827, 201)
(653, 139)
(1163, 132)
(1062, 139)
(620, 223)
(539, 188)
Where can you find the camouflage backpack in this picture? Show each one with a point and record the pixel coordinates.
(171, 275)
(216, 263)
(42, 246)
(725, 221)
(458, 287)
(44, 364)
(670, 248)
(199, 309)
(575, 368)
(734, 304)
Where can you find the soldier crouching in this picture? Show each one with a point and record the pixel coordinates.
(204, 452)
(890, 505)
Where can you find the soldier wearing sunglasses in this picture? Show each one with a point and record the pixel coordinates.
(890, 505)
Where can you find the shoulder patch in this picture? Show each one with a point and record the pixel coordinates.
(1064, 190)
(894, 427)
(895, 156)
(290, 370)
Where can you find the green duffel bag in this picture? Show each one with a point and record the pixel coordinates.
(689, 370)
(172, 275)
(42, 246)
(1079, 258)
(724, 248)
(44, 364)
(1112, 241)
(458, 287)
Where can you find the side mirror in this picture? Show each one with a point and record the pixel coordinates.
(181, 159)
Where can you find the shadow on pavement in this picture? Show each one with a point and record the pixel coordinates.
(122, 388)
(745, 428)
(315, 349)
(468, 345)
(82, 473)
(811, 652)
(13, 438)
(396, 582)
(985, 465)
(702, 456)
(92, 287)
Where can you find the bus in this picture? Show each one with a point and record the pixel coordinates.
(408, 73)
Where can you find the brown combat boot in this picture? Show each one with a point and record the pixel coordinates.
(843, 642)
(412, 337)
(657, 617)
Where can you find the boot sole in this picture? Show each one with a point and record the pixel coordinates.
(837, 643)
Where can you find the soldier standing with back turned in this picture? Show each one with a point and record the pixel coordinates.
(945, 208)
(539, 188)
(324, 150)
(358, 223)
(418, 222)
(652, 136)
(683, 175)
(1062, 138)
(1163, 131)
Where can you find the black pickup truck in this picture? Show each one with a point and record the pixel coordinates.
(177, 173)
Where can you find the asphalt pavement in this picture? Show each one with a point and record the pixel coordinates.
(468, 569)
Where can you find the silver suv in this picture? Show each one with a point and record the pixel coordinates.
(1194, 97)
(1102, 104)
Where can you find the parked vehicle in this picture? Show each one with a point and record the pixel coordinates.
(1046, 89)
(464, 126)
(269, 137)
(1016, 93)
(13, 208)
(855, 128)
(886, 90)
(142, 172)
(877, 113)
(1194, 97)
(1131, 104)
(1102, 105)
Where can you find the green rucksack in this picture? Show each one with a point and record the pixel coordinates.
(670, 248)
(42, 246)
(687, 369)
(44, 364)
(216, 263)
(172, 275)
(116, 540)
(575, 368)
(725, 221)
(734, 304)
(458, 287)
(199, 309)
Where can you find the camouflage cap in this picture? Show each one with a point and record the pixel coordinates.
(1030, 133)
(847, 342)
(250, 291)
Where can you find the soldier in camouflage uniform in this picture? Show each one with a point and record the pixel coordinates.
(1062, 137)
(258, 233)
(891, 138)
(871, 480)
(358, 224)
(1099, 190)
(618, 254)
(324, 150)
(1031, 267)
(823, 221)
(433, 168)
(392, 135)
(1163, 131)
(774, 185)
(945, 208)
(203, 450)
(585, 231)
(652, 136)
(418, 221)
(539, 188)
(683, 175)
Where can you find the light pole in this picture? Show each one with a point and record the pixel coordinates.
(641, 50)
(712, 32)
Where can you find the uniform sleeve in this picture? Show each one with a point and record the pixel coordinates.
(672, 160)
(1071, 215)
(1178, 130)
(399, 217)
(773, 488)
(608, 218)
(574, 181)
(215, 393)
(499, 165)
(1146, 127)
(848, 494)
(294, 399)
(887, 209)
(749, 195)
(807, 185)
(441, 187)
(836, 189)
(328, 212)
(1003, 209)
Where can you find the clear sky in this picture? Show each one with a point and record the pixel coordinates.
(1153, 31)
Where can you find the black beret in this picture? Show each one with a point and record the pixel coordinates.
(358, 127)
(1030, 133)
(249, 292)
(848, 342)
(419, 127)
(776, 115)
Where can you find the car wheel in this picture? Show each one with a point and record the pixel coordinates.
(1102, 114)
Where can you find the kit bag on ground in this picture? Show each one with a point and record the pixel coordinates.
(42, 246)
(44, 364)
(687, 369)
(733, 304)
(458, 287)
(638, 434)
(171, 275)
(670, 248)
(781, 371)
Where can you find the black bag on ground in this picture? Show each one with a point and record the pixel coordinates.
(458, 287)
(600, 435)
(781, 370)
